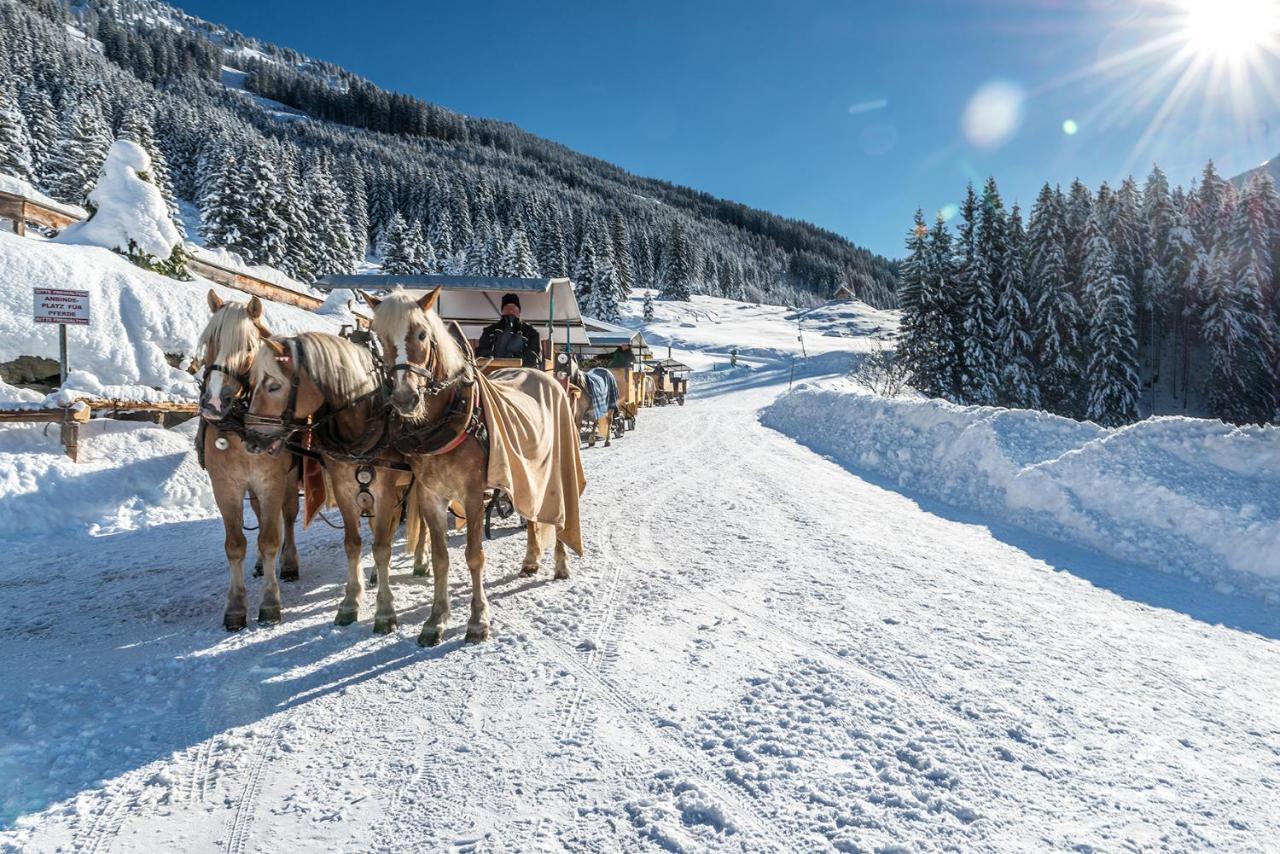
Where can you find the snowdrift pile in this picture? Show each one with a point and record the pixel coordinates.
(129, 212)
(1190, 495)
(137, 317)
(130, 476)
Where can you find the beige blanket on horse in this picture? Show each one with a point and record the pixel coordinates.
(533, 449)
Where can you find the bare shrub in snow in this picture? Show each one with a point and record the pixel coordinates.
(881, 372)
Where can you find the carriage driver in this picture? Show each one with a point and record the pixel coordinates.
(510, 337)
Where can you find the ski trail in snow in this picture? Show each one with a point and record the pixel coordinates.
(237, 831)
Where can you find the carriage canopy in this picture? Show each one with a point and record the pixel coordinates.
(474, 301)
(607, 337)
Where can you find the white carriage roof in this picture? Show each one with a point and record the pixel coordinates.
(604, 334)
(549, 305)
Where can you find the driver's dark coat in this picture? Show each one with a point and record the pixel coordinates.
(523, 342)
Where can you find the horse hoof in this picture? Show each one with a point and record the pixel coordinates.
(478, 634)
(289, 574)
(562, 573)
(384, 625)
(431, 635)
(421, 571)
(269, 614)
(529, 569)
(235, 622)
(346, 617)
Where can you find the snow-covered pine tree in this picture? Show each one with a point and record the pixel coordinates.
(478, 251)
(1056, 319)
(441, 239)
(15, 141)
(979, 375)
(419, 248)
(621, 244)
(913, 343)
(1223, 324)
(1211, 215)
(137, 127)
(1112, 373)
(261, 235)
(76, 162)
(518, 259)
(677, 277)
(221, 213)
(42, 125)
(1252, 265)
(938, 369)
(1157, 215)
(647, 310)
(351, 178)
(1076, 210)
(331, 231)
(584, 270)
(397, 255)
(602, 302)
(300, 256)
(1018, 383)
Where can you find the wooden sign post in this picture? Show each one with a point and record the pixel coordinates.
(53, 305)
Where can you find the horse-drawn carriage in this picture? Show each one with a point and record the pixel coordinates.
(474, 302)
(622, 352)
(670, 381)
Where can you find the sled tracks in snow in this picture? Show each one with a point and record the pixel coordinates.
(236, 835)
(101, 832)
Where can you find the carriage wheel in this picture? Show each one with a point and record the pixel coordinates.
(680, 400)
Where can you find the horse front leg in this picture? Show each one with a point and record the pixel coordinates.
(385, 521)
(434, 511)
(289, 514)
(478, 625)
(345, 486)
(231, 505)
(270, 498)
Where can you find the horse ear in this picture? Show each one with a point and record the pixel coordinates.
(369, 299)
(254, 308)
(276, 346)
(215, 302)
(429, 301)
(263, 331)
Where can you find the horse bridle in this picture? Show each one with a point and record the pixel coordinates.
(261, 430)
(427, 371)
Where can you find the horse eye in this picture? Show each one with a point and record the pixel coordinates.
(273, 387)
(422, 336)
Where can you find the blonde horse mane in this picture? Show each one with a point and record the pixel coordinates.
(231, 336)
(397, 312)
(341, 370)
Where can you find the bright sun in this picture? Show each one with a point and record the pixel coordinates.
(1229, 29)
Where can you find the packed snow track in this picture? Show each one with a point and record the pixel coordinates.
(760, 651)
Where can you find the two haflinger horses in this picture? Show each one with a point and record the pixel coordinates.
(430, 415)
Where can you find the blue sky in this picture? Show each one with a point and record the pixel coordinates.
(846, 114)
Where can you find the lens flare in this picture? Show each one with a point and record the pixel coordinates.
(1229, 28)
(993, 114)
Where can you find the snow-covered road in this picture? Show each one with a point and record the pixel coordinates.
(760, 651)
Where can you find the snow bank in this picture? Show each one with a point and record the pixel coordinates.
(137, 316)
(19, 187)
(128, 210)
(1181, 494)
(130, 475)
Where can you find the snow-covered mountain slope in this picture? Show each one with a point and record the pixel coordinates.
(760, 651)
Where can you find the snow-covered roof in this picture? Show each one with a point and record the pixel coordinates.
(386, 281)
(605, 335)
(475, 301)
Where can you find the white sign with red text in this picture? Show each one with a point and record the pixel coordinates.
(60, 306)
